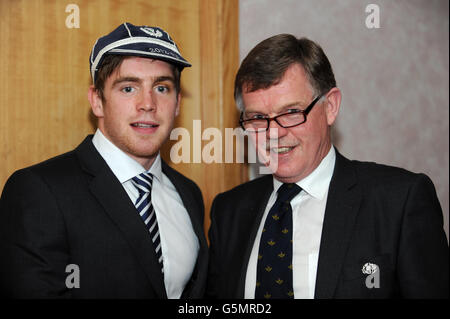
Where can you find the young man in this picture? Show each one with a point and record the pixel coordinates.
(111, 211)
(321, 226)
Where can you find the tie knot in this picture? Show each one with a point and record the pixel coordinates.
(288, 191)
(143, 182)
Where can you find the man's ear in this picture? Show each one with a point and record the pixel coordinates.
(333, 103)
(177, 108)
(96, 102)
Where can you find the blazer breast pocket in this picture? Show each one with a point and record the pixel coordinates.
(369, 277)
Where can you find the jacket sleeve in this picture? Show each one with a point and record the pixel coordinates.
(33, 246)
(423, 259)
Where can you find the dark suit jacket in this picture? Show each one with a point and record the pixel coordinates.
(374, 213)
(71, 209)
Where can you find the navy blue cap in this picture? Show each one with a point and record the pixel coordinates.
(128, 39)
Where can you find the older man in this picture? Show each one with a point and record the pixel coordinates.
(321, 226)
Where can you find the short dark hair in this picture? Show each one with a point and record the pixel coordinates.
(267, 62)
(111, 62)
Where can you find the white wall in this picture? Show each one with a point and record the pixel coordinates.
(395, 79)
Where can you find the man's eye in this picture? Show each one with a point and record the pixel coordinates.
(257, 117)
(128, 89)
(293, 111)
(162, 89)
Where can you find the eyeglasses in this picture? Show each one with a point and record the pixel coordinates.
(285, 120)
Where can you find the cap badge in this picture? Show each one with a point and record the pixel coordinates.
(152, 32)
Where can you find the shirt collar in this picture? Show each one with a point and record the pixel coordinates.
(316, 184)
(122, 165)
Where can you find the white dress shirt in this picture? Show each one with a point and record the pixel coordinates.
(179, 243)
(308, 210)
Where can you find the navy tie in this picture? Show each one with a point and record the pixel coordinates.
(274, 270)
(143, 183)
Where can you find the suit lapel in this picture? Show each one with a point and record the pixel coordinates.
(110, 194)
(256, 213)
(344, 198)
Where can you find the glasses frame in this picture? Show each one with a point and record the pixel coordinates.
(305, 112)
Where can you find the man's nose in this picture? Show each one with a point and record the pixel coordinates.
(275, 131)
(147, 101)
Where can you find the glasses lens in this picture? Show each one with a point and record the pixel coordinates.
(291, 119)
(255, 125)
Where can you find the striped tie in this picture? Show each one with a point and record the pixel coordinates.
(143, 183)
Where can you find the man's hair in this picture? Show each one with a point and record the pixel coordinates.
(111, 62)
(266, 64)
